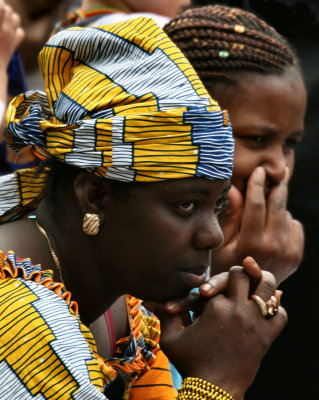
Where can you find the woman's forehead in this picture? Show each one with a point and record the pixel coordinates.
(195, 185)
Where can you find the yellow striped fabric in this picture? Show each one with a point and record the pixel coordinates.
(124, 103)
(46, 352)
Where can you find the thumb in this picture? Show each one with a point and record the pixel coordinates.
(230, 218)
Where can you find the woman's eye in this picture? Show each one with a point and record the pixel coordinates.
(258, 139)
(291, 143)
(254, 139)
(187, 206)
(221, 204)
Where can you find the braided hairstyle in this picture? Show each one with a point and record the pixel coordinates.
(219, 40)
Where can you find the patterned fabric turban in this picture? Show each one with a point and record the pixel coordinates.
(121, 102)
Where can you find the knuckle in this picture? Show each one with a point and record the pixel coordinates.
(256, 204)
(8, 9)
(298, 224)
(235, 272)
(298, 227)
(289, 215)
(216, 306)
(17, 19)
(275, 247)
(278, 205)
(235, 269)
(269, 280)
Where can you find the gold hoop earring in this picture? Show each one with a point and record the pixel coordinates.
(91, 224)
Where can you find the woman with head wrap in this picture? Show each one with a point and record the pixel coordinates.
(251, 70)
(140, 161)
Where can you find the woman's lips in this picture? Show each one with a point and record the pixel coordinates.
(193, 278)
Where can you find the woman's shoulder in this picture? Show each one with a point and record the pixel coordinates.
(37, 326)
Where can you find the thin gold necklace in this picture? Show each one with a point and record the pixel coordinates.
(53, 253)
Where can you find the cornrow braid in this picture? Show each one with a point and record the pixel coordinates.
(217, 39)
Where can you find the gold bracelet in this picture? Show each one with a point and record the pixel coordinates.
(198, 389)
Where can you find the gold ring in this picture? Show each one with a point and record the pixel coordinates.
(267, 308)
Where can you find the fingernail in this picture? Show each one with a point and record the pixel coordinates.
(250, 259)
(259, 173)
(279, 293)
(171, 306)
(206, 287)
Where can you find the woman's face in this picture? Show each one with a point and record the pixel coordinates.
(267, 115)
(159, 237)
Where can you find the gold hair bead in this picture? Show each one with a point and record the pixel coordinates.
(239, 29)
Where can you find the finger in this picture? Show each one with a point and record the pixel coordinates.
(294, 251)
(278, 295)
(214, 285)
(252, 268)
(277, 204)
(254, 272)
(2, 14)
(239, 284)
(267, 286)
(152, 306)
(298, 239)
(179, 305)
(253, 219)
(20, 35)
(159, 309)
(230, 218)
(172, 324)
(7, 16)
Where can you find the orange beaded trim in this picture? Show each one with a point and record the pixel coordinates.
(198, 389)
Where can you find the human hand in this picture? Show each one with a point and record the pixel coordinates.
(226, 342)
(262, 228)
(11, 34)
(214, 285)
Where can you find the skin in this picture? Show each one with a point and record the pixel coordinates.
(257, 222)
(11, 35)
(234, 372)
(267, 114)
(168, 8)
(182, 217)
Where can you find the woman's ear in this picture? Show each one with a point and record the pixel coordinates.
(92, 193)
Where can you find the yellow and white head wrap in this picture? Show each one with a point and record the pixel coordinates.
(121, 102)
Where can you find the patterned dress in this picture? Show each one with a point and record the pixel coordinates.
(46, 352)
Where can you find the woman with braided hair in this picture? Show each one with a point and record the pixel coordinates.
(253, 72)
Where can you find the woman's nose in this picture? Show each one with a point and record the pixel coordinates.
(275, 165)
(208, 234)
